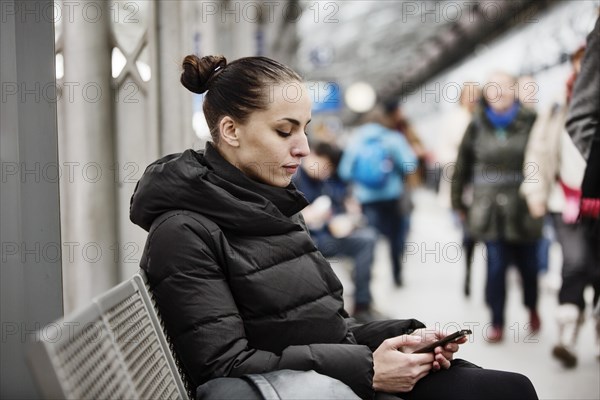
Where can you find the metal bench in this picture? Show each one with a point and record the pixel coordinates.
(114, 348)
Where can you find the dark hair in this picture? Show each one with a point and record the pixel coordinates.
(236, 89)
(329, 151)
(389, 106)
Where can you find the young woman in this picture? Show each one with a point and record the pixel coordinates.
(239, 283)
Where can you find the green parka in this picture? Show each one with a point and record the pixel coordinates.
(491, 162)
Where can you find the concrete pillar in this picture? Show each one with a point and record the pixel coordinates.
(89, 211)
(30, 276)
(278, 26)
(174, 41)
(243, 30)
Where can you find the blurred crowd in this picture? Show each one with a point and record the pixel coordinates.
(516, 178)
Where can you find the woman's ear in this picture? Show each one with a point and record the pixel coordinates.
(228, 131)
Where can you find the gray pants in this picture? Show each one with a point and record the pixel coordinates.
(580, 265)
(276, 385)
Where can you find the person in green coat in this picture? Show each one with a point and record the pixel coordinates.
(491, 158)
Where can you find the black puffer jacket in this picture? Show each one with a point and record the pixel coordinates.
(238, 281)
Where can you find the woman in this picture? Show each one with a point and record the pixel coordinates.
(238, 281)
(455, 126)
(491, 159)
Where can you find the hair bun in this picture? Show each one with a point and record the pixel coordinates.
(199, 73)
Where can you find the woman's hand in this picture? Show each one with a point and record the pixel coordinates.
(396, 371)
(442, 355)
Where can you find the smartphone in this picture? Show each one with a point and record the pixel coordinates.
(448, 339)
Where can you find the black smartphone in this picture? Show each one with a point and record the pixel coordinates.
(450, 338)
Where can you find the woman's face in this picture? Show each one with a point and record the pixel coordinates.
(500, 92)
(273, 142)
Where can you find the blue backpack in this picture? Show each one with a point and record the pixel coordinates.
(373, 165)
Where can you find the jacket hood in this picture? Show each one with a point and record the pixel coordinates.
(205, 183)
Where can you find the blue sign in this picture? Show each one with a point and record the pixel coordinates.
(325, 96)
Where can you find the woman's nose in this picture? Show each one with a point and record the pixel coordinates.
(301, 148)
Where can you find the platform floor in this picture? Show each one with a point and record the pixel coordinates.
(432, 292)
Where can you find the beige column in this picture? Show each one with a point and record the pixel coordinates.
(88, 210)
(175, 40)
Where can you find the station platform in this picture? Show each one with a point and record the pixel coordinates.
(433, 293)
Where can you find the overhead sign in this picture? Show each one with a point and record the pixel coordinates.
(325, 96)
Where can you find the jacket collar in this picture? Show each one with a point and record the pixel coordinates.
(288, 200)
(205, 183)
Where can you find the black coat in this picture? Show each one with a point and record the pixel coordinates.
(583, 120)
(238, 281)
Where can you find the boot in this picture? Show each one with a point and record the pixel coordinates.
(534, 321)
(569, 320)
(496, 335)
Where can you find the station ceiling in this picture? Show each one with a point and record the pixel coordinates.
(397, 45)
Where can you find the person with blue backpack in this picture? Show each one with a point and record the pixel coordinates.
(335, 222)
(376, 160)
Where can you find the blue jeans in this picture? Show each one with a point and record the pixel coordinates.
(386, 217)
(500, 255)
(548, 236)
(360, 246)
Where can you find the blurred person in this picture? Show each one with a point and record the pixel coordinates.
(378, 183)
(554, 170)
(491, 158)
(323, 133)
(527, 89)
(583, 126)
(240, 286)
(412, 180)
(404, 126)
(454, 128)
(335, 223)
